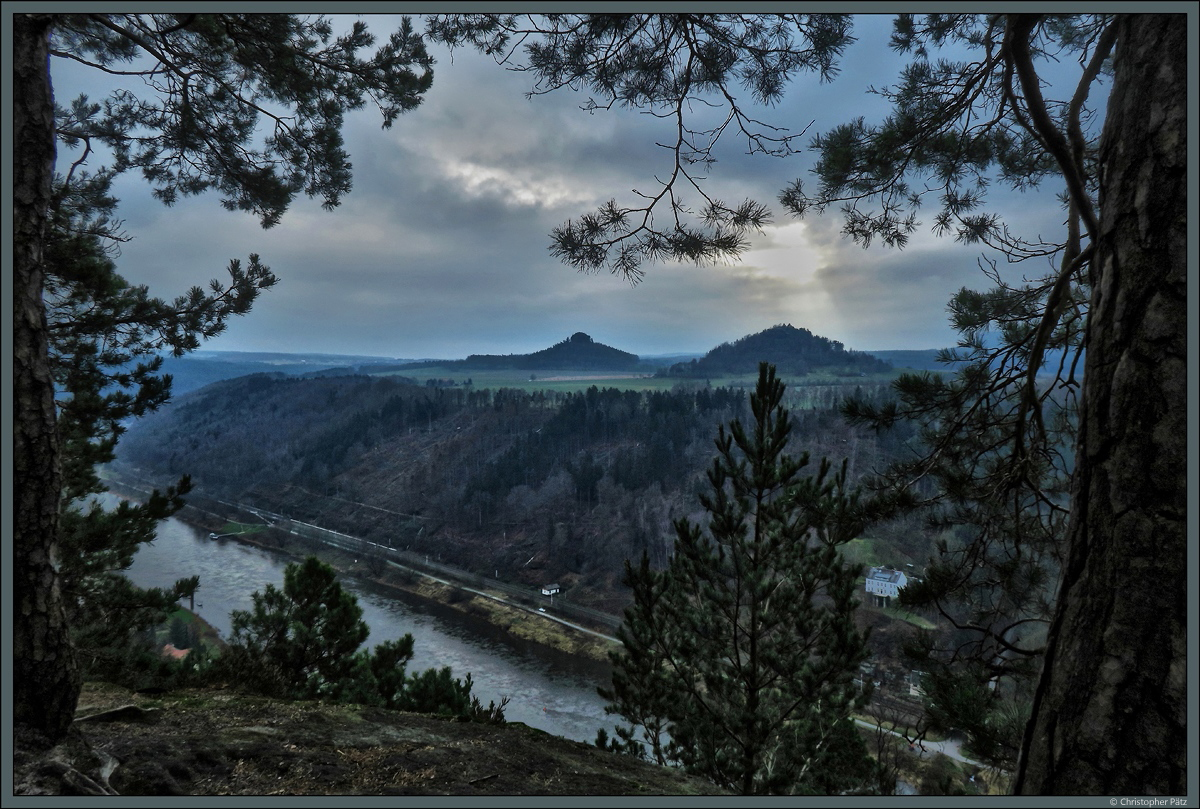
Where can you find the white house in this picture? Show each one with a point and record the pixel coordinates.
(885, 583)
(550, 589)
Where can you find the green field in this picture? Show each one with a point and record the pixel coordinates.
(874, 552)
(241, 528)
(908, 617)
(861, 551)
(569, 381)
(531, 381)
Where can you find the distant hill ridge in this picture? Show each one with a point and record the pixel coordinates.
(793, 351)
(577, 352)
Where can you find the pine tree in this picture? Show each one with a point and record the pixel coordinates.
(1110, 712)
(195, 129)
(106, 345)
(746, 644)
(302, 641)
(1070, 536)
(641, 680)
(388, 663)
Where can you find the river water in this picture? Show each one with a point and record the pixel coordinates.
(552, 692)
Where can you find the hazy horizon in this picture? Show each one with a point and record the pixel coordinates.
(208, 350)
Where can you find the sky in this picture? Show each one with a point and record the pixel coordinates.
(441, 248)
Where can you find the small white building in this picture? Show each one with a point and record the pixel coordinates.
(885, 584)
(550, 589)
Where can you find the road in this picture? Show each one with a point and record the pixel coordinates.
(505, 601)
(948, 747)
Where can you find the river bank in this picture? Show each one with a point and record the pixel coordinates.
(524, 623)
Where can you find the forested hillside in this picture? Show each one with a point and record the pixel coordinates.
(795, 352)
(535, 486)
(194, 371)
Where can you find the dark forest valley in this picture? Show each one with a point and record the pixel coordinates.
(524, 485)
(540, 485)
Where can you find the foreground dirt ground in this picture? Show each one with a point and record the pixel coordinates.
(197, 742)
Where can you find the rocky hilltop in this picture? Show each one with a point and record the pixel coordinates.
(578, 352)
(217, 742)
(793, 351)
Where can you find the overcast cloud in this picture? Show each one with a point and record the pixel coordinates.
(441, 248)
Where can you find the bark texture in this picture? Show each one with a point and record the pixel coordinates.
(45, 675)
(1109, 716)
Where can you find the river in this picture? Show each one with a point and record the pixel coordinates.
(552, 692)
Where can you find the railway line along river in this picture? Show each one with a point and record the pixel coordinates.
(549, 691)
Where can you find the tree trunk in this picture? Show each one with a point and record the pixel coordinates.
(1109, 716)
(45, 674)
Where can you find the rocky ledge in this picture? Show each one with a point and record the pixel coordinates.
(219, 742)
